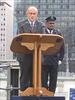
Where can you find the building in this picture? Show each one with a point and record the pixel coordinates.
(6, 29)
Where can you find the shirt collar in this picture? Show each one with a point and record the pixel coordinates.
(30, 22)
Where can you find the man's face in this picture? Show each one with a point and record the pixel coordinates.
(50, 24)
(32, 14)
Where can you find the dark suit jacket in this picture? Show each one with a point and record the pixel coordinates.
(53, 59)
(24, 27)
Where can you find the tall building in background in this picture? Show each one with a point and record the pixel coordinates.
(6, 29)
(64, 10)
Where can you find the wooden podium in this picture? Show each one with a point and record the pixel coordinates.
(36, 44)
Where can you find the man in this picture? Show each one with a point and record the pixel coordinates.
(50, 62)
(31, 25)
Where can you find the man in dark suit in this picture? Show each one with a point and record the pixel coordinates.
(31, 25)
(51, 62)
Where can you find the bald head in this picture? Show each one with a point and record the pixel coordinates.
(32, 13)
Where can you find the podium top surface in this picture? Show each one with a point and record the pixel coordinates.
(43, 38)
(32, 38)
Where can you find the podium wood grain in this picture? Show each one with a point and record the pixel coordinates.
(36, 44)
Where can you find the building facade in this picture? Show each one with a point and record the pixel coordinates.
(6, 29)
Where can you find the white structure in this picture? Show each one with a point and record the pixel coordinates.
(6, 29)
(63, 86)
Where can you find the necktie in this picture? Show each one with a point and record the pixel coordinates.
(51, 31)
(32, 26)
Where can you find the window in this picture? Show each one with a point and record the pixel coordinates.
(73, 55)
(36, 1)
(71, 24)
(61, 6)
(2, 9)
(50, 1)
(71, 13)
(57, 1)
(1, 14)
(57, 13)
(46, 12)
(49, 12)
(43, 7)
(50, 6)
(42, 13)
(56, 6)
(3, 45)
(43, 1)
(71, 1)
(53, 1)
(64, 1)
(53, 12)
(72, 7)
(64, 13)
(4, 19)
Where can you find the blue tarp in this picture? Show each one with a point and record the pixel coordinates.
(72, 93)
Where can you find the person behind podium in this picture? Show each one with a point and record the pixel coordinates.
(51, 62)
(30, 25)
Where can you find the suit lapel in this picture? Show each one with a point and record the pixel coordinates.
(27, 27)
(50, 32)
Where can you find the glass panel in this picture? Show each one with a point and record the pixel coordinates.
(72, 7)
(42, 1)
(43, 7)
(65, 1)
(50, 1)
(71, 1)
